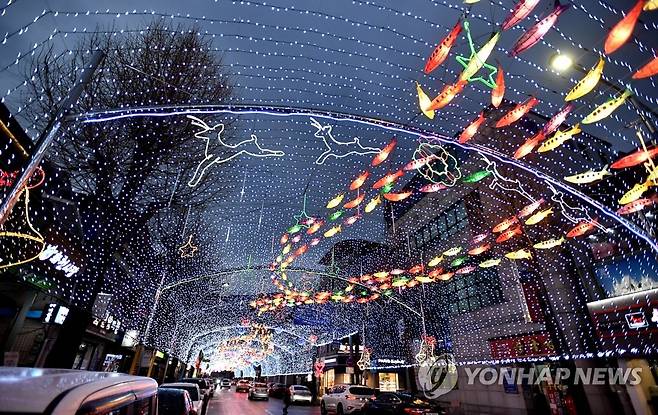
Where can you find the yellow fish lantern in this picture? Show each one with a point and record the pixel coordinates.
(650, 5)
(424, 102)
(559, 138)
(635, 193)
(333, 231)
(489, 263)
(520, 254)
(477, 62)
(539, 216)
(435, 261)
(549, 243)
(335, 201)
(585, 85)
(373, 204)
(653, 173)
(606, 108)
(589, 176)
(453, 251)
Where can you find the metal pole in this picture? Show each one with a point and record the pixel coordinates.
(47, 137)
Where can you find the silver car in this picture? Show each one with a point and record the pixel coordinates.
(258, 391)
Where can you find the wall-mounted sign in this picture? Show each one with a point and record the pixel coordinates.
(110, 323)
(55, 314)
(525, 345)
(387, 361)
(59, 260)
(130, 338)
(636, 320)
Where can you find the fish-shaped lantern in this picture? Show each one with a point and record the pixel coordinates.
(479, 238)
(479, 249)
(297, 238)
(453, 251)
(507, 235)
(373, 204)
(419, 163)
(520, 11)
(590, 176)
(606, 108)
(539, 216)
(587, 84)
(424, 102)
(636, 205)
(334, 216)
(622, 31)
(315, 241)
(582, 228)
(635, 193)
(557, 119)
(490, 263)
(650, 5)
(650, 69)
(333, 231)
(433, 187)
(384, 152)
(517, 112)
(448, 93)
(442, 50)
(529, 209)
(638, 157)
(284, 239)
(559, 138)
(435, 261)
(504, 225)
(360, 180)
(458, 261)
(445, 277)
(466, 270)
(477, 62)
(396, 197)
(352, 219)
(472, 128)
(477, 176)
(335, 201)
(388, 179)
(520, 254)
(537, 32)
(355, 202)
(529, 145)
(549, 243)
(315, 227)
(498, 92)
(294, 229)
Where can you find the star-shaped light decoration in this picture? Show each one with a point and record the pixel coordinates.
(187, 250)
(478, 59)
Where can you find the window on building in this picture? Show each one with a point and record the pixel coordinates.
(450, 222)
(473, 291)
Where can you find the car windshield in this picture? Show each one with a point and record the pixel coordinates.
(360, 390)
(191, 389)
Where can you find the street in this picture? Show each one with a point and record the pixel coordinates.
(228, 402)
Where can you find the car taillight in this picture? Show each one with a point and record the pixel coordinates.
(414, 411)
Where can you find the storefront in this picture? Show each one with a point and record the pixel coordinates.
(388, 374)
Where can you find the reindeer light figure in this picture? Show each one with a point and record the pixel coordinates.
(250, 147)
(335, 148)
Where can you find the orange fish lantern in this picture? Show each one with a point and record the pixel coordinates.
(284, 239)
(384, 153)
(472, 128)
(636, 205)
(498, 92)
(442, 50)
(636, 158)
(360, 179)
(362, 300)
(366, 278)
(388, 179)
(355, 202)
(416, 269)
(582, 228)
(507, 235)
(301, 250)
(517, 112)
(396, 197)
(622, 31)
(448, 93)
(530, 144)
(479, 249)
(529, 209)
(315, 227)
(435, 273)
(433, 187)
(650, 69)
(504, 225)
(445, 277)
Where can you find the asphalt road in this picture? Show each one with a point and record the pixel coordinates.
(228, 402)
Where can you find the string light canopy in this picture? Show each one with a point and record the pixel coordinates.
(223, 163)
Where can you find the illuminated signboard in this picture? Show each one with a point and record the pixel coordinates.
(59, 260)
(55, 314)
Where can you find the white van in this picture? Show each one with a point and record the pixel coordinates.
(67, 392)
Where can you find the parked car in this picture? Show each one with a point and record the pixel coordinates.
(225, 384)
(258, 391)
(345, 399)
(175, 402)
(242, 386)
(203, 386)
(299, 393)
(277, 390)
(389, 403)
(211, 386)
(193, 390)
(66, 391)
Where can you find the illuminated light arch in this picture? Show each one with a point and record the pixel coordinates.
(283, 111)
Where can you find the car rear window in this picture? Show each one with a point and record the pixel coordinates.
(301, 388)
(192, 390)
(360, 390)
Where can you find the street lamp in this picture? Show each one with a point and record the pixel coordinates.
(561, 62)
